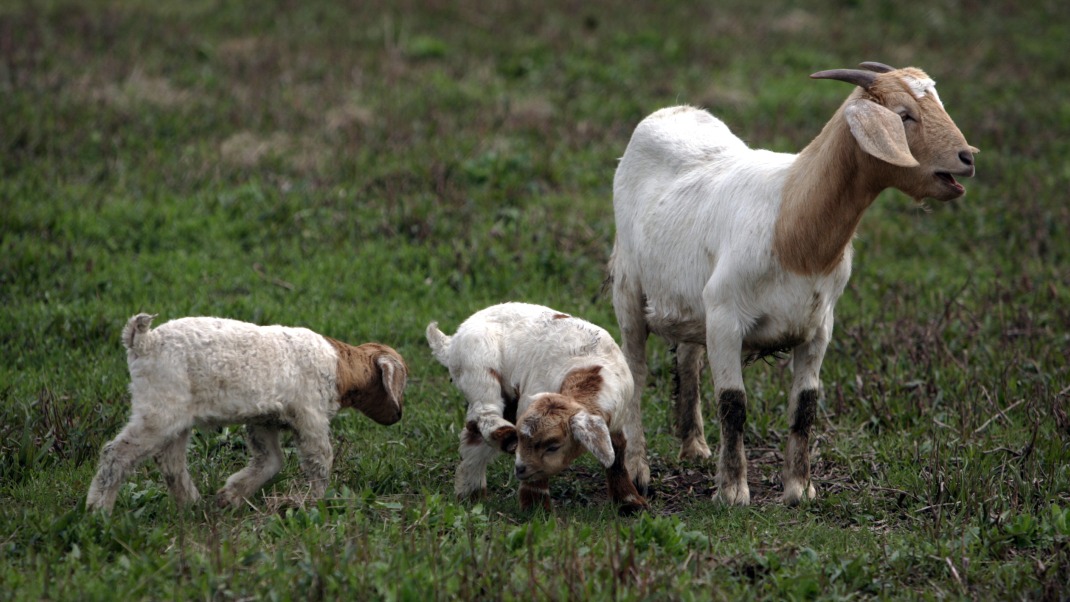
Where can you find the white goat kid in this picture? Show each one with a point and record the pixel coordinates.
(211, 371)
(562, 381)
(745, 252)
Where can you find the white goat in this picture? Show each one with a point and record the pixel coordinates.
(211, 371)
(746, 251)
(567, 381)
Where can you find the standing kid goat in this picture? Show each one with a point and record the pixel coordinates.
(212, 371)
(745, 252)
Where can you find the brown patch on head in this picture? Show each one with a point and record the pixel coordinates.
(935, 140)
(546, 445)
(561, 316)
(915, 117)
(583, 385)
(545, 411)
(371, 378)
(834, 180)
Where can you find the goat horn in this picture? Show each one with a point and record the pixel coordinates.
(857, 77)
(876, 67)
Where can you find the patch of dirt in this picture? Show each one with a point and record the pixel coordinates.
(675, 485)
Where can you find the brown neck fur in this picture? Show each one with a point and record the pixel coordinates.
(825, 194)
(360, 383)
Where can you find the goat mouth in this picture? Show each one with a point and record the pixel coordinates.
(950, 181)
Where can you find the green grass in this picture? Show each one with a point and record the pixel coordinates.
(362, 170)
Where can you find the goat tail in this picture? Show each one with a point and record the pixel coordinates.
(439, 342)
(135, 330)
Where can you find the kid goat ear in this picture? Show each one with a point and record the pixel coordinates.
(593, 433)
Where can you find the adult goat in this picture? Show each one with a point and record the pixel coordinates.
(745, 252)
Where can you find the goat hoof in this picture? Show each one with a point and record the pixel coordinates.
(543, 505)
(506, 438)
(227, 498)
(476, 495)
(97, 507)
(640, 474)
(735, 495)
(695, 451)
(795, 494)
(631, 508)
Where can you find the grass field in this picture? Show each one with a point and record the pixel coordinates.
(364, 169)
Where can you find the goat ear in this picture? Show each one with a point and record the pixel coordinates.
(393, 376)
(879, 131)
(591, 431)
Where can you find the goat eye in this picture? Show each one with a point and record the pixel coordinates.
(551, 449)
(906, 117)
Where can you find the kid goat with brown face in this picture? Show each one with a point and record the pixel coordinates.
(545, 386)
(745, 252)
(212, 371)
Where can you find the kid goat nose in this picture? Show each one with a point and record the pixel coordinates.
(966, 157)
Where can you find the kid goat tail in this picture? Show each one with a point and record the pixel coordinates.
(135, 330)
(439, 342)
